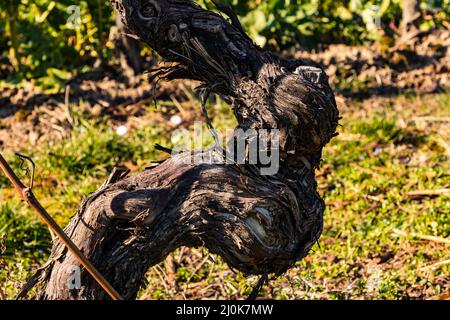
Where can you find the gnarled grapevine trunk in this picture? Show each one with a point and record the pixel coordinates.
(259, 224)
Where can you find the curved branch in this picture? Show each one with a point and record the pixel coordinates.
(259, 224)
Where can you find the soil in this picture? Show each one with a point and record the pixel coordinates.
(358, 72)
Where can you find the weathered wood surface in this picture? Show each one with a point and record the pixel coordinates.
(258, 224)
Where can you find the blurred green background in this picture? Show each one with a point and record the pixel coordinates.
(37, 41)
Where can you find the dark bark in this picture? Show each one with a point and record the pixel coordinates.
(129, 51)
(411, 19)
(258, 224)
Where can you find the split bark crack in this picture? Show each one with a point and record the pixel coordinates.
(257, 224)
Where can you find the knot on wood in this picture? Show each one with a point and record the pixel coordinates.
(173, 34)
(149, 9)
(309, 73)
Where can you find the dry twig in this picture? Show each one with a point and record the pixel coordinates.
(27, 195)
(434, 266)
(419, 194)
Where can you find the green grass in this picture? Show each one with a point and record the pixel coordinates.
(365, 177)
(370, 175)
